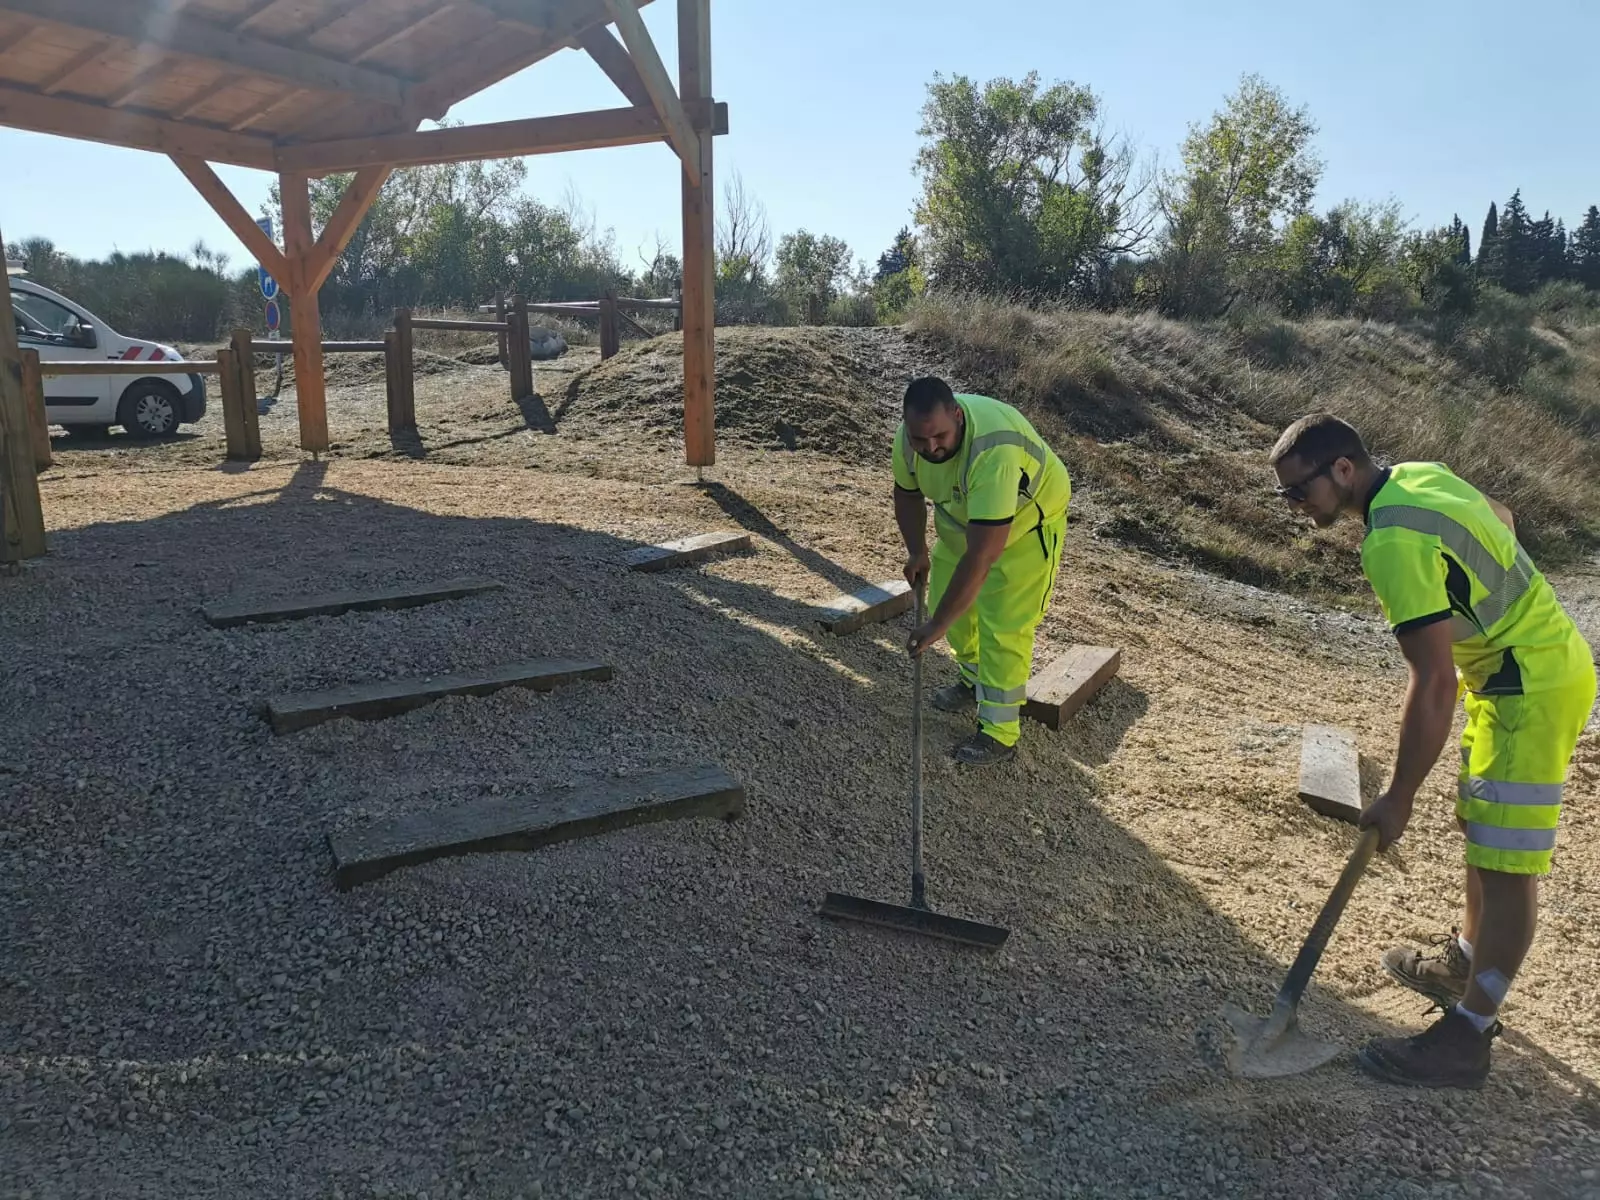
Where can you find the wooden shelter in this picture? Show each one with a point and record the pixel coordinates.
(308, 88)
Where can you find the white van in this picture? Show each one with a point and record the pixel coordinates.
(147, 406)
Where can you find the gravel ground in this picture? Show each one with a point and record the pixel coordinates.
(188, 1007)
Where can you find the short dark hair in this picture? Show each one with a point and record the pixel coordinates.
(926, 395)
(1320, 438)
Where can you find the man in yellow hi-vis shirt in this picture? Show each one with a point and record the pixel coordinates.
(999, 498)
(1474, 617)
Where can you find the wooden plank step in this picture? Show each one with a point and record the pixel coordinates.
(373, 701)
(529, 822)
(1070, 682)
(881, 602)
(685, 551)
(329, 604)
(1330, 772)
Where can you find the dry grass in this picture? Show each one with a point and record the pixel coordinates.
(1168, 423)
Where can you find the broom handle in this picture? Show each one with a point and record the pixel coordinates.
(917, 899)
(1306, 961)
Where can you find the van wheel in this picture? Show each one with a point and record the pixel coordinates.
(149, 409)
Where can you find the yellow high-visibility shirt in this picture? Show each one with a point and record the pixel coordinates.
(1435, 551)
(1003, 471)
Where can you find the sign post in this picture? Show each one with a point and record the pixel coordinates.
(269, 291)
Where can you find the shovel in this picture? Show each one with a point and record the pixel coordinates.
(916, 917)
(1276, 1047)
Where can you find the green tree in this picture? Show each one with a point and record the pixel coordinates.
(1488, 244)
(899, 278)
(1246, 173)
(813, 271)
(1584, 252)
(1512, 262)
(1020, 192)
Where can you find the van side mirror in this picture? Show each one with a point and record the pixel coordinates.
(83, 335)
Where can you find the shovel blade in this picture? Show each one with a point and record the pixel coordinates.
(1261, 1052)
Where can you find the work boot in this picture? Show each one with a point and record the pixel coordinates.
(981, 750)
(1449, 1053)
(1441, 977)
(958, 697)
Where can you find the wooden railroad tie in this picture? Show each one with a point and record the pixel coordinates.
(1056, 693)
(1330, 772)
(374, 701)
(879, 602)
(685, 551)
(229, 613)
(503, 823)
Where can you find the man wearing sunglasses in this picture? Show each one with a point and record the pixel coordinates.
(1474, 617)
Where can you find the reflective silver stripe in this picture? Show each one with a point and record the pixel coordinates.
(1506, 585)
(1000, 714)
(994, 695)
(910, 457)
(1497, 837)
(1498, 791)
(1000, 437)
(969, 671)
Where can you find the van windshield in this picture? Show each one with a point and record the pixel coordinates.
(42, 317)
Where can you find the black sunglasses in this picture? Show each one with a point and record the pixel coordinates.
(1296, 492)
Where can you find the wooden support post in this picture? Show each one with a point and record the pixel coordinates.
(677, 312)
(38, 421)
(520, 352)
(244, 365)
(21, 511)
(699, 242)
(405, 367)
(610, 341)
(310, 386)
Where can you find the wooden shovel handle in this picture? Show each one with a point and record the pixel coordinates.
(1317, 940)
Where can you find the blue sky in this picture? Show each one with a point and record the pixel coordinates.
(1441, 106)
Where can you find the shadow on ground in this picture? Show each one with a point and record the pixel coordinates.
(177, 951)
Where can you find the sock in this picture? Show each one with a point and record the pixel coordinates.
(1481, 1024)
(1466, 946)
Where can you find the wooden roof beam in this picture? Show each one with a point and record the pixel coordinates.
(94, 123)
(341, 227)
(202, 40)
(223, 203)
(503, 139)
(658, 83)
(611, 56)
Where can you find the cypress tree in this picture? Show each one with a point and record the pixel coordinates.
(1584, 254)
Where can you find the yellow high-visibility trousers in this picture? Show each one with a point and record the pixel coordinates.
(993, 639)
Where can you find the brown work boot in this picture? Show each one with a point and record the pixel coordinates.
(981, 750)
(958, 697)
(1441, 977)
(1449, 1053)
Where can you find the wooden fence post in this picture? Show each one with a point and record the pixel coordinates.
(21, 510)
(500, 315)
(405, 367)
(231, 384)
(38, 423)
(610, 341)
(397, 375)
(520, 352)
(677, 313)
(244, 369)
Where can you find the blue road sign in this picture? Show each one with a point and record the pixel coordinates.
(269, 285)
(273, 317)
